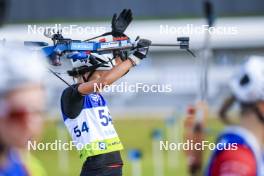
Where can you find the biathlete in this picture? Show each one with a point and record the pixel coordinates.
(241, 152)
(85, 111)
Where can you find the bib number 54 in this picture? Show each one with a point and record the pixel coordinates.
(78, 131)
(105, 117)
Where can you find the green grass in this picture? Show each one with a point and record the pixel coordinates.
(134, 133)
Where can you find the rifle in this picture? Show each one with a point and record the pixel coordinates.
(77, 49)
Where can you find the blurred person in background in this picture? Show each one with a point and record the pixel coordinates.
(21, 106)
(245, 156)
(84, 109)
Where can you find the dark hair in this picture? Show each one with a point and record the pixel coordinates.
(245, 108)
(78, 71)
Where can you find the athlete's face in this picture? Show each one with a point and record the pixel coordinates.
(22, 120)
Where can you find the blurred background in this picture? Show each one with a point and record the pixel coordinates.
(138, 114)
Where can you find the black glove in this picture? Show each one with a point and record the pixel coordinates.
(120, 53)
(120, 23)
(142, 43)
(141, 52)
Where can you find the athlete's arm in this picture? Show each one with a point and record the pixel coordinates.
(118, 60)
(118, 71)
(108, 78)
(240, 162)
